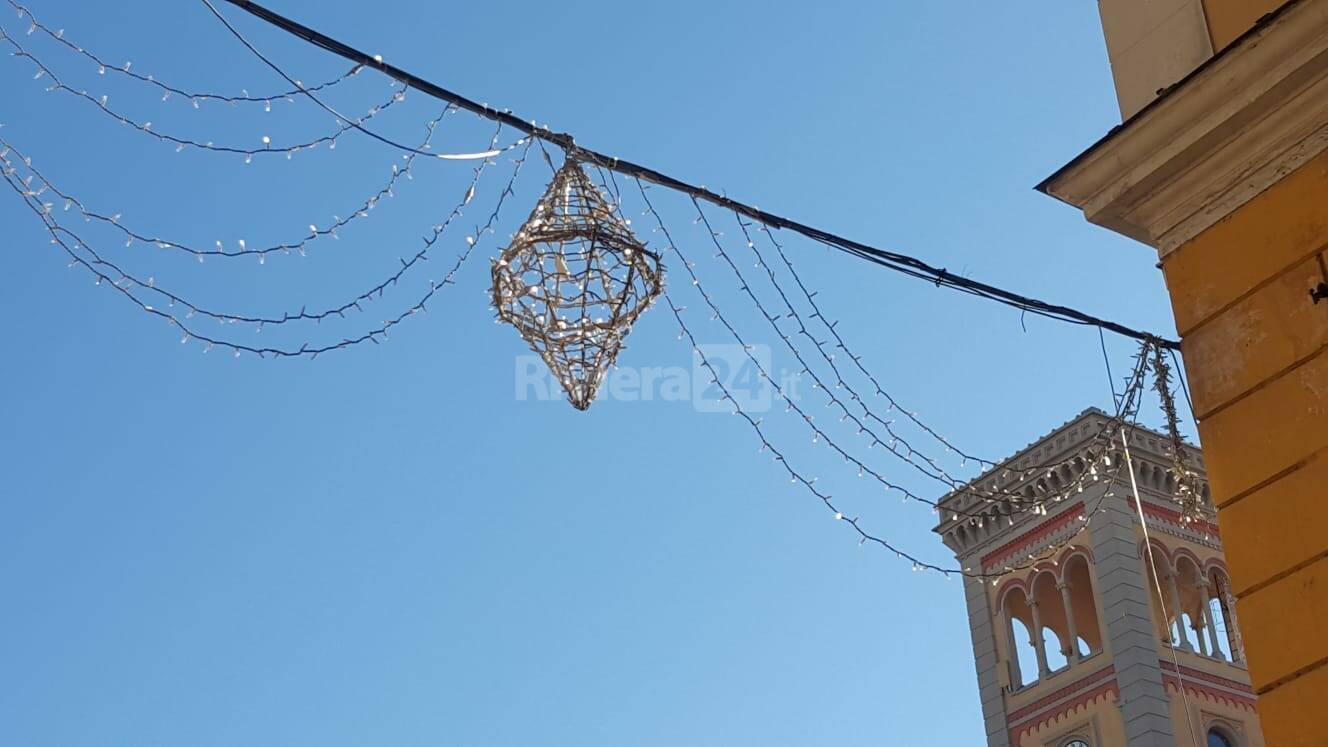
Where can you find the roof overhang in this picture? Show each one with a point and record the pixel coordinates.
(1216, 139)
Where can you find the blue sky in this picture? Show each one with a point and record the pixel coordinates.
(388, 545)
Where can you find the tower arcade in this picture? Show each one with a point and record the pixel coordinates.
(1082, 645)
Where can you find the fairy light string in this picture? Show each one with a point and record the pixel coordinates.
(1011, 502)
(314, 98)
(840, 344)
(1188, 494)
(1105, 437)
(1005, 508)
(265, 147)
(933, 468)
(998, 498)
(168, 91)
(315, 232)
(1129, 404)
(127, 286)
(898, 262)
(260, 321)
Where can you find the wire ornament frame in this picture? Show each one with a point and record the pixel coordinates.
(573, 282)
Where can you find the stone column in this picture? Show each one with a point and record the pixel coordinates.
(1233, 624)
(1174, 592)
(1071, 655)
(1037, 641)
(1016, 675)
(1214, 646)
(1200, 621)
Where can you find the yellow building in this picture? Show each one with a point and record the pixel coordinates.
(1221, 165)
(1078, 649)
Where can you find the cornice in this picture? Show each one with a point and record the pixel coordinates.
(1221, 136)
(1037, 537)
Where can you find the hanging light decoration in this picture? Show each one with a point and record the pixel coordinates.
(573, 281)
(1188, 494)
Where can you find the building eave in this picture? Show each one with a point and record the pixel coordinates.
(1214, 140)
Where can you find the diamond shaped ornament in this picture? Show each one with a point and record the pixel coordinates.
(573, 281)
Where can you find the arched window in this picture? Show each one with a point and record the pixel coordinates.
(1083, 607)
(1075, 743)
(1191, 592)
(1051, 614)
(1019, 620)
(1217, 738)
(1025, 657)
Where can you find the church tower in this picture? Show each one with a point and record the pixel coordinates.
(1080, 643)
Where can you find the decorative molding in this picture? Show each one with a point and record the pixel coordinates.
(1170, 521)
(1191, 673)
(1206, 684)
(1035, 536)
(1214, 141)
(1216, 695)
(1050, 707)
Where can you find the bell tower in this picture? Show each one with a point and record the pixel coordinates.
(1077, 642)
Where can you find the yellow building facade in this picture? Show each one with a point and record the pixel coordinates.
(1221, 165)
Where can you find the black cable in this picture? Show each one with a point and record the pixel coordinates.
(1111, 379)
(902, 263)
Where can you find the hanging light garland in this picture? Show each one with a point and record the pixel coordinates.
(136, 290)
(574, 280)
(265, 146)
(168, 91)
(241, 248)
(192, 309)
(1188, 494)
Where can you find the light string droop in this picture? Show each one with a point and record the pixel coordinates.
(107, 272)
(168, 91)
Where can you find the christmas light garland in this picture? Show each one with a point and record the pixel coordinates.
(564, 341)
(168, 91)
(105, 271)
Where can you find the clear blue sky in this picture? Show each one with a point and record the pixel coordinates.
(386, 546)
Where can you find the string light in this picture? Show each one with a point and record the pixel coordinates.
(902, 263)
(993, 496)
(1006, 507)
(831, 328)
(145, 127)
(196, 97)
(934, 469)
(303, 314)
(1188, 494)
(126, 285)
(314, 232)
(864, 536)
(357, 125)
(999, 503)
(1106, 436)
